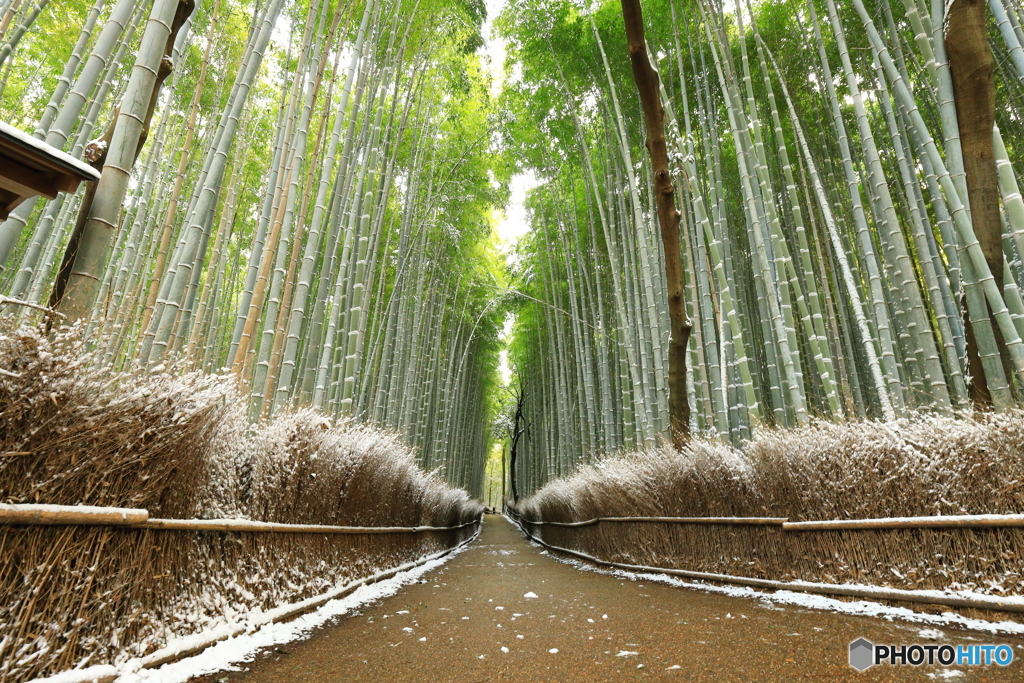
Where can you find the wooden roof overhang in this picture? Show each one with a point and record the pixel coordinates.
(30, 167)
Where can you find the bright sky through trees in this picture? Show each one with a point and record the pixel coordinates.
(512, 223)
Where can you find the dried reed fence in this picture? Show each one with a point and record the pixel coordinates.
(178, 446)
(926, 467)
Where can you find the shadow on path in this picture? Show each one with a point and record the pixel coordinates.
(457, 624)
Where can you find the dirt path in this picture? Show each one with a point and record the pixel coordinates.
(456, 625)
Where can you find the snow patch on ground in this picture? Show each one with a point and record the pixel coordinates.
(228, 654)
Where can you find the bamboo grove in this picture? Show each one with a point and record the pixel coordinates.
(302, 193)
(299, 192)
(832, 268)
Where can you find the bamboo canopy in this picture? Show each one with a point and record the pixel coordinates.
(304, 194)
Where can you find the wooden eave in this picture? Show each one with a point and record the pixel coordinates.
(30, 167)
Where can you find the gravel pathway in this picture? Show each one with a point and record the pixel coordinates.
(503, 610)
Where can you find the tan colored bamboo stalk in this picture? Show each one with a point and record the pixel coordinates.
(183, 160)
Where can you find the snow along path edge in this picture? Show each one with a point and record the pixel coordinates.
(863, 608)
(221, 647)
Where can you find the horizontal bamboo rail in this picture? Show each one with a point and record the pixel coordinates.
(71, 515)
(936, 522)
(933, 522)
(84, 515)
(931, 597)
(757, 521)
(281, 528)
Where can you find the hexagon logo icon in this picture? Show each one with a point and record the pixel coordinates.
(862, 654)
